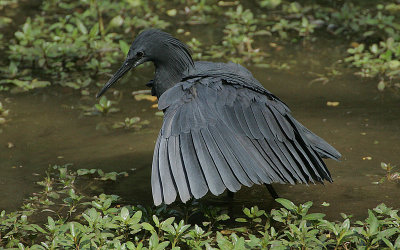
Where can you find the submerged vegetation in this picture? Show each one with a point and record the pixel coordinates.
(66, 214)
(77, 48)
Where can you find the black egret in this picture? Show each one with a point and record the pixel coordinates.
(222, 129)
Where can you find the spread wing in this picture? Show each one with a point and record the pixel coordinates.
(216, 136)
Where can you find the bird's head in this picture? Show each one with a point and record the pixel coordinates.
(156, 46)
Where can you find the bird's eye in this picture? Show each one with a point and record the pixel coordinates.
(139, 54)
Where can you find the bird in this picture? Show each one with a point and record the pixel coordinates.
(221, 128)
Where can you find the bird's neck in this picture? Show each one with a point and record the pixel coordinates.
(166, 76)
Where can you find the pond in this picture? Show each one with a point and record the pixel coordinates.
(48, 126)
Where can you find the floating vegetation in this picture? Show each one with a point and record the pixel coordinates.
(3, 114)
(391, 174)
(238, 40)
(105, 106)
(71, 218)
(140, 97)
(131, 123)
(72, 50)
(378, 61)
(77, 48)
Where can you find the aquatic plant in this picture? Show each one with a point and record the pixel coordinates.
(3, 114)
(72, 50)
(131, 123)
(105, 106)
(376, 23)
(238, 40)
(378, 61)
(77, 220)
(391, 174)
(78, 48)
(5, 20)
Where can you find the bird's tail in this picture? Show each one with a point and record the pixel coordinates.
(324, 149)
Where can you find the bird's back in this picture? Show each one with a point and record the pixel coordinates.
(230, 72)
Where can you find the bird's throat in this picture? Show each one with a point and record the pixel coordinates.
(166, 77)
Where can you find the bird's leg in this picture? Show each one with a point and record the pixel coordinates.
(272, 191)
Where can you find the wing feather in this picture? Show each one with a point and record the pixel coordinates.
(227, 175)
(197, 183)
(323, 170)
(276, 174)
(305, 156)
(168, 185)
(271, 122)
(229, 156)
(178, 170)
(240, 118)
(298, 159)
(290, 162)
(252, 122)
(219, 134)
(262, 124)
(155, 176)
(210, 171)
(270, 152)
(244, 155)
(283, 123)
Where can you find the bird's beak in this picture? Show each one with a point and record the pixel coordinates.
(126, 66)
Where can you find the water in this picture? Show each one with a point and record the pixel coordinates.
(47, 127)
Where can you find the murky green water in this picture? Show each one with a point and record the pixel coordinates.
(47, 127)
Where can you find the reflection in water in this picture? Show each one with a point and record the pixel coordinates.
(47, 127)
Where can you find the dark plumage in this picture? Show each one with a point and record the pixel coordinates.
(222, 128)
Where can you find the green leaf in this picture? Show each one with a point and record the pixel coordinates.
(124, 213)
(374, 48)
(156, 221)
(81, 27)
(388, 243)
(107, 203)
(94, 31)
(240, 220)
(381, 85)
(97, 205)
(172, 12)
(325, 204)
(116, 22)
(223, 217)
(373, 222)
(394, 64)
(82, 171)
(51, 223)
(124, 47)
(148, 227)
(168, 221)
(314, 216)
(270, 4)
(72, 229)
(286, 203)
(162, 245)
